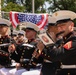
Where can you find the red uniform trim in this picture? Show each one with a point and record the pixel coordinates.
(68, 45)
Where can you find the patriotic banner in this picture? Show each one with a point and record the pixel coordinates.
(39, 19)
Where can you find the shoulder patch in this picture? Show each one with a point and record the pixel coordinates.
(68, 45)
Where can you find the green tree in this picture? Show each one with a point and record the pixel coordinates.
(62, 5)
(27, 4)
(13, 7)
(11, 1)
(38, 3)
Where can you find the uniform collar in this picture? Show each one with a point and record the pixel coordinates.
(68, 35)
(31, 40)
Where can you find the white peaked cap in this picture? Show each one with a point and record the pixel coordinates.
(51, 19)
(15, 32)
(4, 22)
(64, 14)
(21, 32)
(30, 25)
(42, 31)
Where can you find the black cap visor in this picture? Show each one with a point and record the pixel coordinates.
(4, 25)
(20, 34)
(63, 21)
(51, 24)
(28, 29)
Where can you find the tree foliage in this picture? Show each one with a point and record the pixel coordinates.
(62, 5)
(13, 7)
(28, 4)
(23, 5)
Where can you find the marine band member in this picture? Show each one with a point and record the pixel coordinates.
(24, 53)
(67, 51)
(5, 60)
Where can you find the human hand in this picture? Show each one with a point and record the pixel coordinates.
(11, 48)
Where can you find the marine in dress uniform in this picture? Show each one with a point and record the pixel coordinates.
(65, 24)
(24, 52)
(31, 33)
(20, 37)
(49, 67)
(19, 40)
(64, 49)
(5, 60)
(14, 35)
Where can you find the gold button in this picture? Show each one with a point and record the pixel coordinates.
(21, 56)
(0, 42)
(48, 56)
(23, 50)
(61, 63)
(45, 54)
(3, 53)
(22, 53)
(21, 60)
(68, 73)
(42, 52)
(9, 58)
(22, 64)
(24, 47)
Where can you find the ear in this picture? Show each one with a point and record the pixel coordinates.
(72, 26)
(7, 29)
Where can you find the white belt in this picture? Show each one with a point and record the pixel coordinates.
(68, 66)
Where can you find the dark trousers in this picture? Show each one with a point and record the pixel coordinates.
(49, 68)
(66, 72)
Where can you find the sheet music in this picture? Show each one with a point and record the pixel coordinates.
(45, 39)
